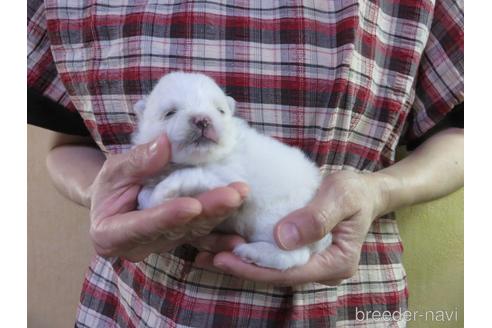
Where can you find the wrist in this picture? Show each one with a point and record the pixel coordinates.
(385, 189)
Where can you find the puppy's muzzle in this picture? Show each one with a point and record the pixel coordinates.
(204, 125)
(201, 122)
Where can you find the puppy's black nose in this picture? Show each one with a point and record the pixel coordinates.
(201, 122)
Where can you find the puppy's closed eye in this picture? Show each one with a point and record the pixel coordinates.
(169, 113)
(220, 110)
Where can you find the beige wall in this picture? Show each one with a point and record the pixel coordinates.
(59, 250)
(433, 237)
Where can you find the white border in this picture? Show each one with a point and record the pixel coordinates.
(478, 162)
(13, 273)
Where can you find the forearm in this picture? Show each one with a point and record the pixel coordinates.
(433, 170)
(73, 168)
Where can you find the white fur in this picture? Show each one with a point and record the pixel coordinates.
(281, 179)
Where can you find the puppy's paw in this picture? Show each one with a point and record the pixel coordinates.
(270, 256)
(144, 198)
(160, 194)
(150, 197)
(321, 244)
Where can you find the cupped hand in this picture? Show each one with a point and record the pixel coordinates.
(345, 205)
(118, 229)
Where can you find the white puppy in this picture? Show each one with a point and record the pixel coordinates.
(211, 148)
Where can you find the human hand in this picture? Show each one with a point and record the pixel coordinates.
(117, 229)
(345, 204)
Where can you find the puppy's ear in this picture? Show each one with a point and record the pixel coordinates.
(231, 103)
(139, 107)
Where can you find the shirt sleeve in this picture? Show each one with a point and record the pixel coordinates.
(440, 82)
(49, 104)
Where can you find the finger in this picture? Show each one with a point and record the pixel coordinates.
(139, 253)
(208, 246)
(130, 229)
(328, 266)
(118, 235)
(139, 163)
(205, 260)
(135, 255)
(331, 282)
(220, 201)
(216, 202)
(217, 242)
(231, 264)
(241, 187)
(217, 205)
(311, 223)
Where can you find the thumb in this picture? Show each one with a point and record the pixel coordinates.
(140, 162)
(312, 222)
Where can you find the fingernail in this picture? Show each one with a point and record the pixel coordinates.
(220, 265)
(153, 146)
(156, 142)
(289, 235)
(233, 200)
(243, 192)
(192, 208)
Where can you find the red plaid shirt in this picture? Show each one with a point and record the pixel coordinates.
(342, 80)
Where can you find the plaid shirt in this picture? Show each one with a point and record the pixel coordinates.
(342, 80)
